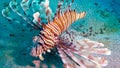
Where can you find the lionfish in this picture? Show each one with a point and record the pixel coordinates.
(75, 53)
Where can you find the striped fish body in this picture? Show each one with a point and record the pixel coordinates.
(47, 37)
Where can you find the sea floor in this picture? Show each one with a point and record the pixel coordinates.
(103, 17)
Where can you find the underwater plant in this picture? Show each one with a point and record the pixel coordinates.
(75, 52)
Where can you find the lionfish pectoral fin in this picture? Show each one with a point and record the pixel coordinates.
(71, 56)
(65, 59)
(75, 59)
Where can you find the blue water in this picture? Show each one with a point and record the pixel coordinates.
(102, 15)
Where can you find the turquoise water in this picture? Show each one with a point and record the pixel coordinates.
(103, 17)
